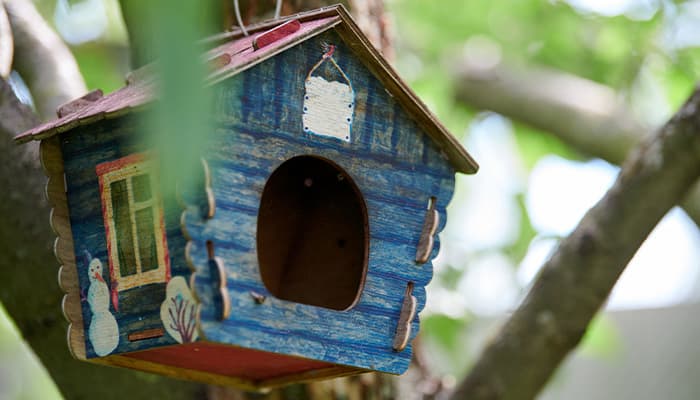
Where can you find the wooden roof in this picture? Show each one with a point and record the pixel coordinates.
(234, 53)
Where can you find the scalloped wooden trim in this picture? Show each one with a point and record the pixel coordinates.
(52, 162)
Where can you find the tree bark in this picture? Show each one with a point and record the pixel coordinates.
(584, 114)
(575, 282)
(42, 59)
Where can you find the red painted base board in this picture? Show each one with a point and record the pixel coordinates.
(231, 361)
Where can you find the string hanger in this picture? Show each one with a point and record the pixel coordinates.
(239, 20)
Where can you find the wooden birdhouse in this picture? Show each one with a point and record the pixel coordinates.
(304, 254)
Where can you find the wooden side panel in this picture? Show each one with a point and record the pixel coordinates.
(396, 167)
(137, 311)
(52, 161)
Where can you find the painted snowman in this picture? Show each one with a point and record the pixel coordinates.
(103, 331)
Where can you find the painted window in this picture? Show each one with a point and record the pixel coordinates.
(133, 218)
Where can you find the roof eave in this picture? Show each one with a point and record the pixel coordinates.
(453, 150)
(346, 27)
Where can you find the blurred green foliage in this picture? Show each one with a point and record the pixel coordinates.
(635, 53)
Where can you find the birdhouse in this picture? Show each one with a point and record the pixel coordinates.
(305, 250)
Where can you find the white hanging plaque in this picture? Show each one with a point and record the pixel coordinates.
(328, 106)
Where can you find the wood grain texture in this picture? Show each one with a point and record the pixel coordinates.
(396, 168)
(52, 162)
(139, 307)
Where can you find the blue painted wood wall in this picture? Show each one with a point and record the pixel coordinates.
(84, 148)
(396, 167)
(258, 118)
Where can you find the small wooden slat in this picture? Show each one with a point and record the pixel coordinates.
(76, 340)
(51, 158)
(408, 312)
(63, 250)
(68, 279)
(79, 103)
(146, 334)
(427, 235)
(71, 307)
(55, 189)
(59, 221)
(276, 33)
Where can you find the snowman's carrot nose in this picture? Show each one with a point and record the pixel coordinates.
(99, 277)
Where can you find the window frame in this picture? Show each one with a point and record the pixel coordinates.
(126, 168)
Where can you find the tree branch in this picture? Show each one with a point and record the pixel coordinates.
(42, 59)
(575, 282)
(15, 117)
(6, 44)
(584, 114)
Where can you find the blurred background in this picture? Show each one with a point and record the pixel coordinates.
(573, 84)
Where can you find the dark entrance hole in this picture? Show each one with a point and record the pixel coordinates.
(312, 234)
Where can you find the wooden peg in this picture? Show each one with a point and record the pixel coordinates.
(209, 193)
(218, 277)
(427, 235)
(408, 312)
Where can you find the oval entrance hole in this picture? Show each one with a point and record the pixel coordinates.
(312, 234)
